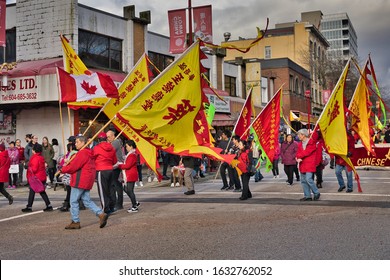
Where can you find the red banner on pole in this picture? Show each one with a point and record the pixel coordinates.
(203, 23)
(177, 30)
(3, 7)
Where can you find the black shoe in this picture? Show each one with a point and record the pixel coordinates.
(242, 198)
(27, 210)
(306, 199)
(349, 190)
(298, 179)
(223, 188)
(138, 204)
(341, 189)
(165, 177)
(201, 176)
(10, 199)
(319, 185)
(48, 209)
(64, 209)
(229, 188)
(189, 192)
(317, 196)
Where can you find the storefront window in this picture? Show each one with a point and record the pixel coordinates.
(10, 47)
(161, 61)
(99, 51)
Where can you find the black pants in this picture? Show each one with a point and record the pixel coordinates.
(319, 169)
(129, 190)
(289, 170)
(3, 191)
(117, 190)
(51, 172)
(13, 179)
(236, 179)
(275, 167)
(246, 193)
(222, 172)
(296, 171)
(31, 196)
(104, 182)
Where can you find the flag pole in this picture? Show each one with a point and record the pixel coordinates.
(60, 108)
(97, 115)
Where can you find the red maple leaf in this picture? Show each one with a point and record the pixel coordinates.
(89, 89)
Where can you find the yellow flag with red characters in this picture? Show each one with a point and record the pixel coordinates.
(332, 121)
(169, 112)
(360, 112)
(72, 62)
(135, 81)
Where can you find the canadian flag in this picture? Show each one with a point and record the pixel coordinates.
(74, 88)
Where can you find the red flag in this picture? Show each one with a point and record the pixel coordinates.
(244, 120)
(203, 23)
(177, 30)
(3, 38)
(85, 87)
(266, 125)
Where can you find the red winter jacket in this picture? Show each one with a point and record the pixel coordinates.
(243, 161)
(308, 156)
(4, 166)
(130, 167)
(36, 165)
(82, 170)
(105, 156)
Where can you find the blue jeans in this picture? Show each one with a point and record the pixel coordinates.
(339, 174)
(308, 184)
(75, 195)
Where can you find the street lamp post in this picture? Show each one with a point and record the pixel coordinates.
(308, 95)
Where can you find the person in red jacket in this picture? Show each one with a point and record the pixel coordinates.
(5, 163)
(130, 174)
(306, 158)
(36, 166)
(83, 172)
(18, 144)
(105, 158)
(244, 161)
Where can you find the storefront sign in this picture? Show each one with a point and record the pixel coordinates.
(30, 89)
(220, 106)
(361, 158)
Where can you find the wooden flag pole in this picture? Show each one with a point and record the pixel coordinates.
(60, 108)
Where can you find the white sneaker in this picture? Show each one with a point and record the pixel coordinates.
(274, 177)
(133, 210)
(177, 184)
(136, 184)
(155, 179)
(277, 176)
(172, 185)
(149, 179)
(141, 184)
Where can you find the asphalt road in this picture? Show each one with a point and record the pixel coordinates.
(212, 224)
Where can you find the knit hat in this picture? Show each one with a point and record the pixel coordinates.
(304, 131)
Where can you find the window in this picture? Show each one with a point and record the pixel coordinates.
(303, 88)
(10, 47)
(267, 52)
(161, 61)
(230, 85)
(291, 85)
(100, 51)
(264, 90)
(296, 86)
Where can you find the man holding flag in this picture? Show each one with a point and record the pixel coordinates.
(306, 158)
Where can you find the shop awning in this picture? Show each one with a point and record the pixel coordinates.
(223, 120)
(48, 66)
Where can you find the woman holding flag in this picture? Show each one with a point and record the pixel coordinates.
(244, 163)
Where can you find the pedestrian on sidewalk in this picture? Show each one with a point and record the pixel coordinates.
(245, 159)
(36, 167)
(130, 174)
(5, 163)
(83, 173)
(306, 158)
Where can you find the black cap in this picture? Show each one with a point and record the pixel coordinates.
(72, 139)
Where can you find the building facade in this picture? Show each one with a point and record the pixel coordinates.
(342, 38)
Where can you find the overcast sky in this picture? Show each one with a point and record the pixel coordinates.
(371, 20)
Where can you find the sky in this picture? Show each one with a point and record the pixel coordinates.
(370, 18)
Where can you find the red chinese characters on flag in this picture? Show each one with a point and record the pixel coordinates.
(177, 30)
(203, 23)
(3, 38)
